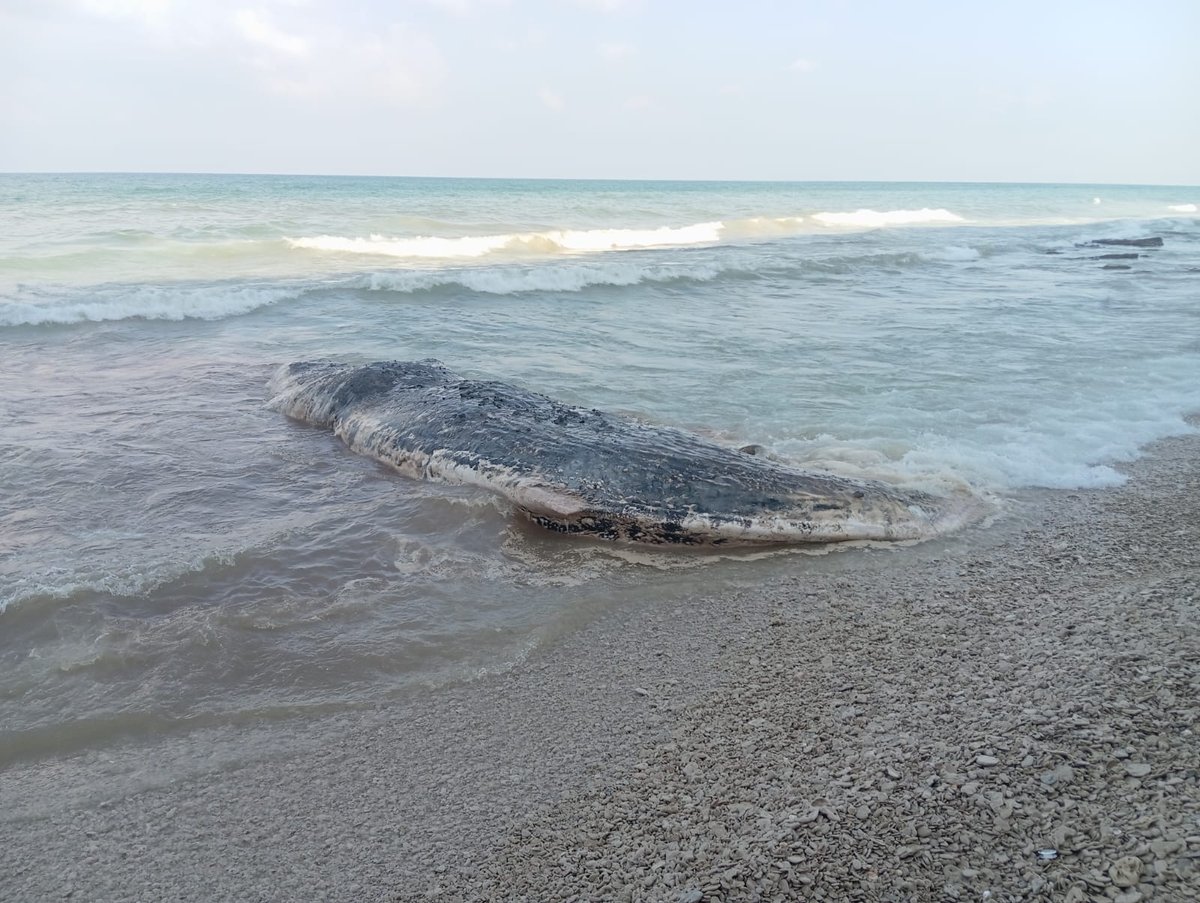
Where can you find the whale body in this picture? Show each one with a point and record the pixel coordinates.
(586, 472)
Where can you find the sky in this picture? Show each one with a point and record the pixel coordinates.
(1048, 91)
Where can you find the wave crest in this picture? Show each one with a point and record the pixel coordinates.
(550, 242)
(514, 280)
(591, 241)
(147, 302)
(875, 219)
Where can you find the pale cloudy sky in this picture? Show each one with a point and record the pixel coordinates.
(1054, 90)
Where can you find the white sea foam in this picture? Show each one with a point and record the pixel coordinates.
(511, 280)
(585, 241)
(875, 219)
(1056, 446)
(1182, 208)
(147, 302)
(762, 227)
(953, 253)
(550, 242)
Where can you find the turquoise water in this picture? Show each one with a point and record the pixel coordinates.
(175, 553)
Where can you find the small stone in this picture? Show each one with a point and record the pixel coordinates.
(1125, 871)
(986, 761)
(691, 896)
(1137, 769)
(862, 813)
(1164, 848)
(641, 691)
(1130, 896)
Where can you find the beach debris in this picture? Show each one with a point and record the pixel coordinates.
(1047, 854)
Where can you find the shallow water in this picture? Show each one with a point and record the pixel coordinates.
(174, 553)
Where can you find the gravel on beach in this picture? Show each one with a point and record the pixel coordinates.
(1008, 715)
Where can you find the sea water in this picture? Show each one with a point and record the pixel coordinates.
(174, 553)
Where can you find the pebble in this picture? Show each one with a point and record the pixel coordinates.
(1125, 872)
(867, 701)
(1137, 769)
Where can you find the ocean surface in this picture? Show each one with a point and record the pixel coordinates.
(175, 554)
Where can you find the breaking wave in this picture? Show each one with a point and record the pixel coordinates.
(514, 280)
(49, 305)
(1182, 208)
(30, 307)
(551, 242)
(585, 241)
(874, 219)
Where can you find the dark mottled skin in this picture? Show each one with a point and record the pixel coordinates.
(636, 481)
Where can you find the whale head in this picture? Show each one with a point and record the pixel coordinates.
(319, 391)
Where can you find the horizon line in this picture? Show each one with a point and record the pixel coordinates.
(641, 179)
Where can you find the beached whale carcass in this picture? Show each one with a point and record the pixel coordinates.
(582, 471)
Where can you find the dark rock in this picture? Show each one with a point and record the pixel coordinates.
(1155, 242)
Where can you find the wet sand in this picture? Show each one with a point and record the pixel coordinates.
(1009, 714)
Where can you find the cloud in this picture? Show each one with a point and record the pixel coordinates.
(255, 28)
(607, 6)
(296, 48)
(552, 99)
(803, 65)
(151, 12)
(640, 102)
(392, 66)
(464, 8)
(615, 51)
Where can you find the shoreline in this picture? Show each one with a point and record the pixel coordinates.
(891, 724)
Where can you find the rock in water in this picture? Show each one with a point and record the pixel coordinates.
(1153, 242)
(581, 471)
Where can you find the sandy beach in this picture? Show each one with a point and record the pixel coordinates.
(1006, 715)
